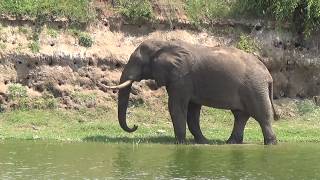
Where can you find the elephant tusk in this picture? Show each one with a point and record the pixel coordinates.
(120, 86)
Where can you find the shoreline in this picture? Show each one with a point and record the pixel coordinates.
(90, 125)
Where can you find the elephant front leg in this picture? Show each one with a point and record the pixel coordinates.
(193, 121)
(178, 112)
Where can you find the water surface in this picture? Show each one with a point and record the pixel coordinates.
(56, 160)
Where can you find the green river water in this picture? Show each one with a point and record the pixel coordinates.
(61, 160)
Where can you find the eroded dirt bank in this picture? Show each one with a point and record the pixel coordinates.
(70, 73)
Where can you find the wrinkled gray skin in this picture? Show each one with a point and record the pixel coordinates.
(219, 77)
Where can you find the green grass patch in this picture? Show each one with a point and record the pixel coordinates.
(34, 46)
(136, 11)
(201, 11)
(154, 127)
(76, 11)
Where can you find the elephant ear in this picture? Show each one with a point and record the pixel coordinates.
(170, 63)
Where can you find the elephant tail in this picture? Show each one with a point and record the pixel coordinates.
(275, 115)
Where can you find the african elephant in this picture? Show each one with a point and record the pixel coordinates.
(194, 75)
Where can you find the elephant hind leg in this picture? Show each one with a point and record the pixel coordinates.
(264, 116)
(268, 134)
(193, 121)
(240, 121)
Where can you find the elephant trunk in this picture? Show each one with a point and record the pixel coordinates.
(123, 98)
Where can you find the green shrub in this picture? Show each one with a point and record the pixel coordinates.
(3, 46)
(136, 11)
(247, 44)
(18, 94)
(301, 14)
(84, 99)
(306, 106)
(23, 30)
(85, 40)
(34, 46)
(52, 33)
(17, 91)
(43, 103)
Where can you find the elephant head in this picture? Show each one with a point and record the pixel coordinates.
(161, 61)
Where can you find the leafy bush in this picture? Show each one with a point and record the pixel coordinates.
(23, 30)
(3, 46)
(136, 11)
(85, 40)
(84, 99)
(301, 14)
(306, 106)
(34, 46)
(17, 91)
(18, 94)
(247, 44)
(52, 33)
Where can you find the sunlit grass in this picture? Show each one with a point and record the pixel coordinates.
(154, 127)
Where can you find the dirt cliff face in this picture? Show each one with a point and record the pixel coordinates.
(63, 68)
(295, 68)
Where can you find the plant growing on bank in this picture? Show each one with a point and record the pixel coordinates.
(17, 91)
(136, 11)
(76, 11)
(3, 46)
(18, 94)
(200, 11)
(84, 39)
(23, 30)
(88, 100)
(247, 44)
(52, 32)
(302, 15)
(34, 46)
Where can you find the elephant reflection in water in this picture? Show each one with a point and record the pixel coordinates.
(194, 75)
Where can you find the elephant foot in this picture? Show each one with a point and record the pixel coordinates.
(234, 140)
(202, 140)
(270, 141)
(180, 141)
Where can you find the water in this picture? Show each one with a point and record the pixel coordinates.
(54, 160)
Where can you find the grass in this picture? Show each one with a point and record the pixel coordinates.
(76, 11)
(201, 11)
(101, 125)
(136, 11)
(34, 46)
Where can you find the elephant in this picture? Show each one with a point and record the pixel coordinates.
(195, 76)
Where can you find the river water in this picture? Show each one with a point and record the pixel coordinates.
(61, 160)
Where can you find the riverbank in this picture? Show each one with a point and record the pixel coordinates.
(52, 61)
(154, 126)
